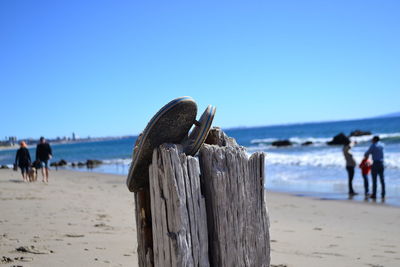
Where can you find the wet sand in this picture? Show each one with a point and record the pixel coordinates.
(86, 219)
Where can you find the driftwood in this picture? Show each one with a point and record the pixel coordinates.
(206, 211)
(143, 228)
(237, 218)
(178, 209)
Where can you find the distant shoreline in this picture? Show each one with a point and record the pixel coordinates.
(62, 142)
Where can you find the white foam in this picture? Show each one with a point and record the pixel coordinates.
(321, 141)
(118, 161)
(325, 159)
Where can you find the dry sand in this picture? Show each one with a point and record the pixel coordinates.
(86, 219)
(312, 232)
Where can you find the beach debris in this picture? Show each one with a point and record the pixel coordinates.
(31, 249)
(339, 139)
(24, 259)
(74, 235)
(5, 259)
(104, 226)
(360, 133)
(280, 143)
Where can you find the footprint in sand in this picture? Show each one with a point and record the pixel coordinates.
(389, 246)
(390, 252)
(101, 217)
(328, 254)
(104, 226)
(74, 235)
(33, 250)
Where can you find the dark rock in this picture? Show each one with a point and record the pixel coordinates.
(307, 143)
(80, 164)
(73, 164)
(58, 164)
(360, 133)
(340, 139)
(281, 143)
(90, 163)
(62, 163)
(4, 167)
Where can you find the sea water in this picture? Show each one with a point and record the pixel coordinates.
(317, 170)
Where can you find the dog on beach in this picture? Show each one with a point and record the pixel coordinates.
(32, 174)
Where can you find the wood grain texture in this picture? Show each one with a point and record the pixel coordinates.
(237, 217)
(206, 211)
(143, 228)
(178, 209)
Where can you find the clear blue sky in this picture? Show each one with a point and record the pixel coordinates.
(104, 68)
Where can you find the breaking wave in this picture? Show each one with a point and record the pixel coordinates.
(321, 141)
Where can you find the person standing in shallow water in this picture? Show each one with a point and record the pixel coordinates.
(23, 160)
(43, 154)
(350, 165)
(376, 151)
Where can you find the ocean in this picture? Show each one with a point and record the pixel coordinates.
(316, 170)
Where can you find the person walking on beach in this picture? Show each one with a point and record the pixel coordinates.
(23, 160)
(365, 167)
(350, 165)
(376, 151)
(43, 154)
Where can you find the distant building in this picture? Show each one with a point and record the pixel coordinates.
(73, 137)
(12, 140)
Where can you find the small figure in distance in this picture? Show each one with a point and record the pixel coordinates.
(23, 160)
(365, 167)
(350, 165)
(44, 154)
(376, 151)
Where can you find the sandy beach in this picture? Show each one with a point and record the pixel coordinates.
(78, 219)
(86, 219)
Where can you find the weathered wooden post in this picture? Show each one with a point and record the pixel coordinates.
(144, 227)
(208, 211)
(178, 209)
(237, 219)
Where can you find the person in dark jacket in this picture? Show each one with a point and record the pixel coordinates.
(376, 150)
(43, 154)
(23, 160)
